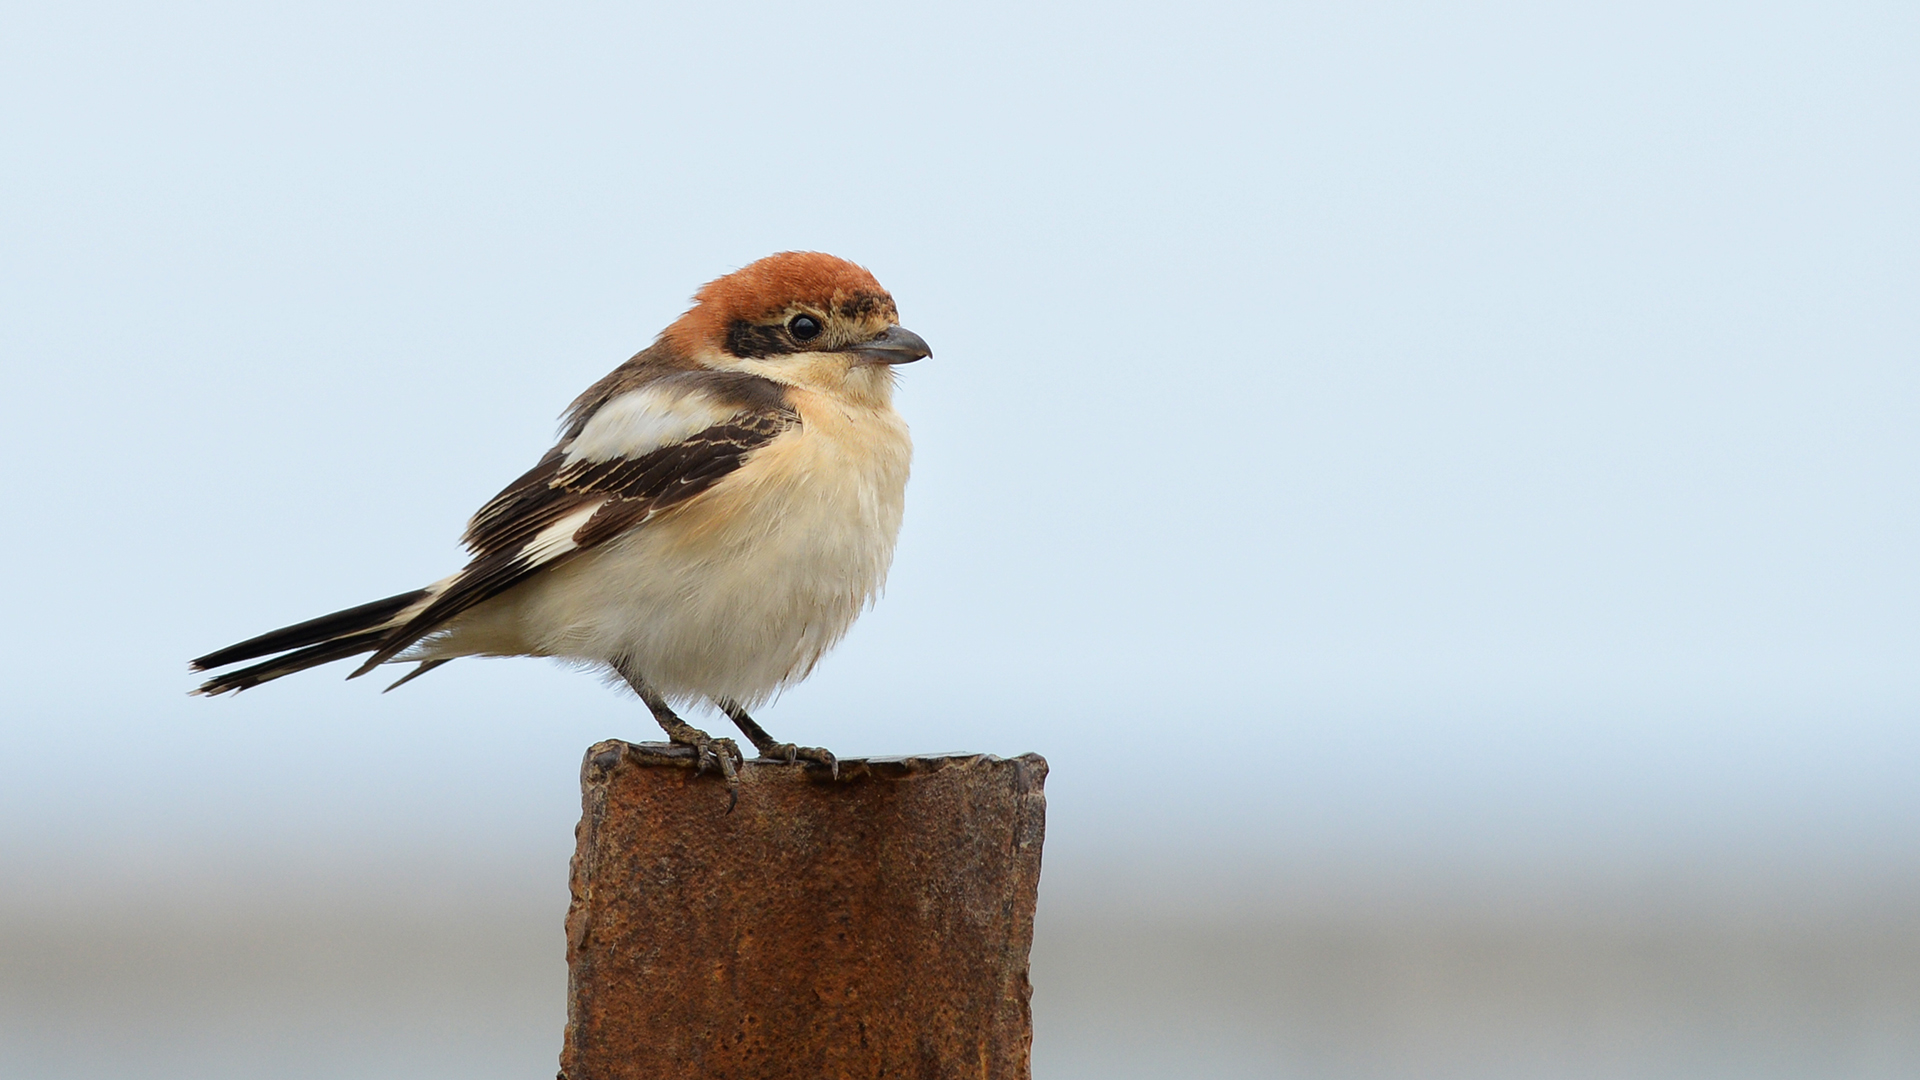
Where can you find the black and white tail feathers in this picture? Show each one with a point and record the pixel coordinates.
(312, 643)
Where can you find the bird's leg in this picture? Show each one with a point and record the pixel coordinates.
(724, 753)
(778, 751)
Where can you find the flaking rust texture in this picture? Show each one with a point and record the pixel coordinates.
(876, 925)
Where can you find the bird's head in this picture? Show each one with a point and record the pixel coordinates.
(799, 317)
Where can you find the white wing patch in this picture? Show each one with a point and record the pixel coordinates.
(639, 422)
(557, 539)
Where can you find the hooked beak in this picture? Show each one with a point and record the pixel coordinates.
(898, 345)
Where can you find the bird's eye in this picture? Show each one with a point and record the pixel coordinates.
(803, 327)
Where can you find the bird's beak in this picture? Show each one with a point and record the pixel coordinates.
(898, 345)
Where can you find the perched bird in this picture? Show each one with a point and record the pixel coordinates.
(718, 511)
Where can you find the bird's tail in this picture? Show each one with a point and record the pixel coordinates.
(314, 642)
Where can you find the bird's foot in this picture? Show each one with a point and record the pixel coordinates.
(722, 754)
(770, 749)
(790, 754)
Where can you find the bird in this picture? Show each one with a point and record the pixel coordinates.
(717, 512)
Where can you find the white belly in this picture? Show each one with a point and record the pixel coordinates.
(739, 591)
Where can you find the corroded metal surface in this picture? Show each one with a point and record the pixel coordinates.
(874, 925)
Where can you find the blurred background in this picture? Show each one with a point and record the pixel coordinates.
(1437, 481)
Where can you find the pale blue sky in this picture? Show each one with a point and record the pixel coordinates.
(1364, 431)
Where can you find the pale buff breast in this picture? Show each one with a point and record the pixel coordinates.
(739, 591)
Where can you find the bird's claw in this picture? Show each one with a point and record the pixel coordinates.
(722, 754)
(789, 753)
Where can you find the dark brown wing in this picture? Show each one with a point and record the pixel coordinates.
(515, 535)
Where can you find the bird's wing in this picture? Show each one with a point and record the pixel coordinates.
(639, 454)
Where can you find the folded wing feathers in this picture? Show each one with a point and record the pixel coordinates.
(565, 508)
(639, 453)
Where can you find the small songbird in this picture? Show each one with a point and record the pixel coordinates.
(718, 511)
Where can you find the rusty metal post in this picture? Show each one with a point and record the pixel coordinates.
(872, 926)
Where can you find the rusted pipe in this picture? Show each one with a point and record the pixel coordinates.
(873, 925)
